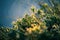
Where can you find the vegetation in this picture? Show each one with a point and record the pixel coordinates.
(42, 24)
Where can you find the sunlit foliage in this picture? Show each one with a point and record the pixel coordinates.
(42, 24)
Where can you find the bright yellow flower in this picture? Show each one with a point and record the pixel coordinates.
(33, 25)
(45, 4)
(36, 28)
(14, 22)
(29, 30)
(7, 30)
(33, 7)
(19, 19)
(15, 27)
(55, 26)
(41, 11)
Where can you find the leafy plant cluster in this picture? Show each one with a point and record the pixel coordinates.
(42, 24)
